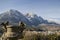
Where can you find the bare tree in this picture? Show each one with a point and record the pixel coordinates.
(4, 25)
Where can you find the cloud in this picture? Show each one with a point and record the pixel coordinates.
(54, 20)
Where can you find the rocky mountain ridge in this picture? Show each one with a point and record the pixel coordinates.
(15, 16)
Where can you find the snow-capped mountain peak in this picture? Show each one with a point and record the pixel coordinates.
(30, 15)
(15, 16)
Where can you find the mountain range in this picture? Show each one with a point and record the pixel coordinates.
(14, 16)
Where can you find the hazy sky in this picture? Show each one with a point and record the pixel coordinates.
(44, 8)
